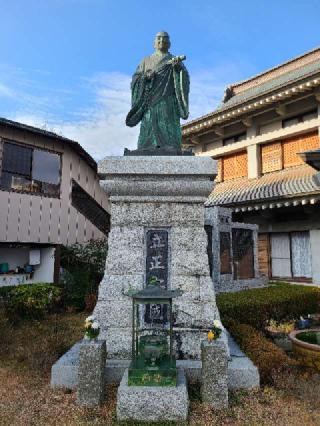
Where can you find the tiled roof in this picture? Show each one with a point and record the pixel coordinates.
(285, 184)
(260, 90)
(296, 62)
(74, 145)
(271, 85)
(312, 158)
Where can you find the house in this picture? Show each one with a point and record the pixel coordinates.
(49, 196)
(265, 136)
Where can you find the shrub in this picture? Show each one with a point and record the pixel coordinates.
(90, 301)
(83, 270)
(255, 307)
(265, 355)
(76, 285)
(31, 300)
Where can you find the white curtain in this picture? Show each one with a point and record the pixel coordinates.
(280, 255)
(301, 254)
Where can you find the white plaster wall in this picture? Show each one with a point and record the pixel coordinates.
(270, 127)
(45, 271)
(254, 161)
(315, 255)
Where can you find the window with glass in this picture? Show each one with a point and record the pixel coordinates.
(30, 169)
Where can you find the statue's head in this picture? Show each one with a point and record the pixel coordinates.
(162, 41)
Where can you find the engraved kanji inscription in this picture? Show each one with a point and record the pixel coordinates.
(157, 258)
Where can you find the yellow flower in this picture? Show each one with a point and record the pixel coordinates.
(211, 336)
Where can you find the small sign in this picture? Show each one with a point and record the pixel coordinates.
(156, 272)
(157, 258)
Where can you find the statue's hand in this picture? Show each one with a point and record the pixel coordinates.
(176, 63)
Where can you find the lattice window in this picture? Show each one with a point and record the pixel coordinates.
(291, 147)
(271, 157)
(235, 166)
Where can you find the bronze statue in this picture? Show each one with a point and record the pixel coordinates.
(160, 91)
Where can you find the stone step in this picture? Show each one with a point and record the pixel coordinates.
(242, 373)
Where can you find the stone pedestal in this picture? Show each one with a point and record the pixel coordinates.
(153, 404)
(214, 387)
(157, 193)
(91, 373)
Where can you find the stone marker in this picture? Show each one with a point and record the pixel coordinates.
(214, 387)
(150, 195)
(91, 373)
(153, 403)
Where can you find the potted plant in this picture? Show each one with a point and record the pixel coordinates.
(279, 333)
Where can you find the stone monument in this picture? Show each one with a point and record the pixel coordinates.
(157, 215)
(157, 239)
(157, 197)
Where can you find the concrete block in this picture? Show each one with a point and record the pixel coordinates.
(64, 372)
(242, 373)
(91, 373)
(152, 404)
(214, 386)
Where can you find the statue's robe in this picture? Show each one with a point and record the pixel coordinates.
(159, 102)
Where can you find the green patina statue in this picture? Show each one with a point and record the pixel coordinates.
(160, 90)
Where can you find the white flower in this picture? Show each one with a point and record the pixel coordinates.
(217, 323)
(91, 318)
(95, 325)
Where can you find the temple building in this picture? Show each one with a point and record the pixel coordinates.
(265, 136)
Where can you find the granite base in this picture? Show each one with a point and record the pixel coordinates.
(153, 404)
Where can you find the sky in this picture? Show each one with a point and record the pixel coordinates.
(66, 65)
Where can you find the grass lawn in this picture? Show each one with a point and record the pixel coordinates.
(28, 350)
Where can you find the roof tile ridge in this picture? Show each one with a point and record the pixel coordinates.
(246, 80)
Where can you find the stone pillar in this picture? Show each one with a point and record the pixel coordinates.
(254, 161)
(154, 193)
(315, 249)
(91, 373)
(214, 387)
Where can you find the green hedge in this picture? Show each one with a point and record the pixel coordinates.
(265, 355)
(83, 266)
(30, 300)
(281, 301)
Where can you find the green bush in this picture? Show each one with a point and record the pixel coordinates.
(31, 301)
(281, 301)
(83, 266)
(265, 355)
